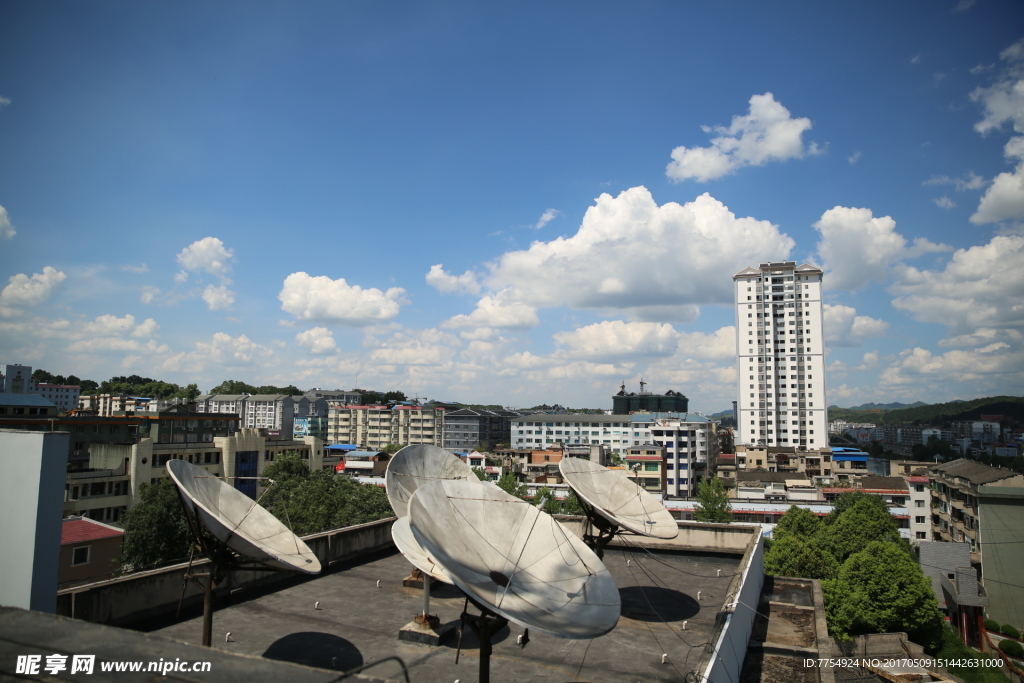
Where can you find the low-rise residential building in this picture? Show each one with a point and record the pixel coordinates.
(273, 412)
(363, 463)
(920, 494)
(374, 427)
(690, 440)
(335, 397)
(88, 551)
(984, 507)
(113, 483)
(893, 490)
(64, 396)
(469, 428)
(646, 464)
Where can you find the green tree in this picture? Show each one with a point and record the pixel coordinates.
(867, 520)
(881, 589)
(309, 502)
(792, 555)
(510, 484)
(712, 502)
(480, 473)
(155, 530)
(392, 448)
(799, 522)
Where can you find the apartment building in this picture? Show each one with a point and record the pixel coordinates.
(646, 465)
(374, 427)
(984, 506)
(273, 412)
(690, 440)
(17, 379)
(117, 472)
(232, 404)
(467, 428)
(781, 356)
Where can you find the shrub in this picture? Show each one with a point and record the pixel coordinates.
(1008, 630)
(992, 625)
(1012, 648)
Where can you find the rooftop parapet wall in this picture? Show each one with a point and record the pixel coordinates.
(142, 595)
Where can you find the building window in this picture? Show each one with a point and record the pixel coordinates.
(80, 555)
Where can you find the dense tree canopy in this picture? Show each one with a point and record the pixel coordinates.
(712, 502)
(235, 387)
(799, 522)
(881, 589)
(309, 502)
(155, 530)
(791, 555)
(870, 579)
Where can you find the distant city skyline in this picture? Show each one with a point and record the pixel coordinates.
(511, 205)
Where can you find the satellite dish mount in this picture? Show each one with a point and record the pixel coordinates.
(484, 625)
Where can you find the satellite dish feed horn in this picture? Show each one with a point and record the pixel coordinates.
(246, 535)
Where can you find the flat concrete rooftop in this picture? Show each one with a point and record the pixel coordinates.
(358, 623)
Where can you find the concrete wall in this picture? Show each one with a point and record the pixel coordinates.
(154, 593)
(32, 506)
(734, 623)
(702, 537)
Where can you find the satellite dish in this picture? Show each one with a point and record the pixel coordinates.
(618, 499)
(416, 465)
(407, 544)
(237, 521)
(514, 560)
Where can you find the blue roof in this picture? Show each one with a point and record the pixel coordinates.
(853, 457)
(30, 400)
(343, 447)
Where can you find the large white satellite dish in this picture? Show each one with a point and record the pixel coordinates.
(514, 560)
(416, 465)
(407, 544)
(239, 522)
(618, 499)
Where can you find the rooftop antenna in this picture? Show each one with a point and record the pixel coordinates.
(513, 563)
(612, 502)
(244, 535)
(642, 384)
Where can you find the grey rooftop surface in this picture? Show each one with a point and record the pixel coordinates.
(358, 623)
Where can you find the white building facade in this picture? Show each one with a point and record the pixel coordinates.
(780, 346)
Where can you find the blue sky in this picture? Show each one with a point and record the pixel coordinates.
(510, 204)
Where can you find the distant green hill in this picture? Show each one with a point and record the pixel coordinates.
(884, 406)
(938, 414)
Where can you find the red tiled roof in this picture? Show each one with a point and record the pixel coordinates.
(82, 530)
(919, 480)
(644, 457)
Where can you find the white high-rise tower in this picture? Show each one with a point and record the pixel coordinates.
(781, 356)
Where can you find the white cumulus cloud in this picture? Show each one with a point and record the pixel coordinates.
(218, 297)
(767, 133)
(446, 283)
(497, 312)
(843, 327)
(336, 302)
(616, 339)
(856, 247)
(317, 340)
(657, 262)
(23, 290)
(944, 203)
(7, 230)
(546, 218)
(1003, 103)
(980, 287)
(207, 254)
